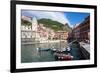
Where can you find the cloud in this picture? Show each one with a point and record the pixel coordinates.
(56, 16)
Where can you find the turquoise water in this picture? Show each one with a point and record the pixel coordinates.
(75, 52)
(29, 53)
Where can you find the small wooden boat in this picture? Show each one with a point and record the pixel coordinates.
(54, 49)
(43, 49)
(62, 56)
(68, 48)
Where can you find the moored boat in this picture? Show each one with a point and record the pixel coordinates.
(61, 56)
(68, 48)
(43, 49)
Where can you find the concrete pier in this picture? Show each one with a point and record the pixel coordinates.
(85, 50)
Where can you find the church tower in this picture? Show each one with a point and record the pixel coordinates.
(34, 24)
(35, 28)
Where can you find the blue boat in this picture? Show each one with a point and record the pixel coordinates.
(43, 49)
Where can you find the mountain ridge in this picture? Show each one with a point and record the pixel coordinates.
(55, 25)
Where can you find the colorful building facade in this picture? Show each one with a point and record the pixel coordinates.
(81, 32)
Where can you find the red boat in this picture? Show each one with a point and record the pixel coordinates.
(62, 56)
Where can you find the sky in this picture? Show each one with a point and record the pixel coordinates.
(72, 18)
(75, 17)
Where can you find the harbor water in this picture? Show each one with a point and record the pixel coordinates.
(30, 53)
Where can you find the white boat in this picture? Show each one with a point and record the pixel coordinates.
(37, 49)
(68, 48)
(63, 49)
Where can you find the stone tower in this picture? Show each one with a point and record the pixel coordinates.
(34, 24)
(35, 28)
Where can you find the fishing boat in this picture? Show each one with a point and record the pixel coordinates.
(67, 57)
(61, 56)
(53, 49)
(68, 48)
(63, 49)
(43, 49)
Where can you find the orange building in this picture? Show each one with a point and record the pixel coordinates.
(63, 35)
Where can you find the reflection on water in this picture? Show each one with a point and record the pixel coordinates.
(75, 52)
(29, 53)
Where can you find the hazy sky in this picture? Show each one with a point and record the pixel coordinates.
(71, 18)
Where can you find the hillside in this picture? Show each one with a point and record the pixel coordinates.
(56, 26)
(25, 22)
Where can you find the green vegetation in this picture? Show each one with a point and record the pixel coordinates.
(56, 26)
(25, 22)
(67, 28)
